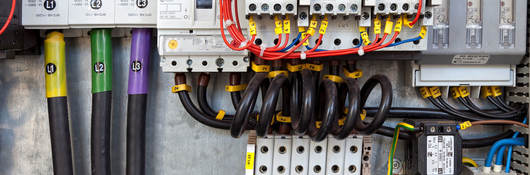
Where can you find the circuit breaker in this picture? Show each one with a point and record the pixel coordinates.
(189, 38)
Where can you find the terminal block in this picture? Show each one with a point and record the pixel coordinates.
(271, 7)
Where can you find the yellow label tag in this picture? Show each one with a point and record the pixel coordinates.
(323, 27)
(388, 26)
(399, 24)
(341, 121)
(181, 87)
(310, 32)
(249, 162)
(318, 123)
(435, 91)
(455, 93)
(363, 114)
(260, 68)
(294, 68)
(301, 29)
(172, 44)
(425, 93)
(313, 23)
(366, 39)
(283, 119)
(485, 92)
(252, 26)
(377, 25)
(334, 78)
(220, 115)
(286, 25)
(464, 91)
(423, 32)
(465, 125)
(273, 74)
(496, 91)
(278, 23)
(235, 88)
(314, 67)
(407, 22)
(355, 74)
(362, 29)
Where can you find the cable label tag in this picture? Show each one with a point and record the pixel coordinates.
(220, 115)
(334, 78)
(235, 88)
(424, 91)
(455, 92)
(377, 25)
(496, 91)
(274, 74)
(181, 87)
(366, 38)
(355, 74)
(294, 68)
(249, 160)
(423, 32)
(314, 67)
(388, 26)
(260, 68)
(252, 26)
(399, 24)
(485, 92)
(464, 91)
(286, 25)
(323, 26)
(283, 119)
(407, 22)
(435, 91)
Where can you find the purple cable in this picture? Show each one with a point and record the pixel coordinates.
(139, 63)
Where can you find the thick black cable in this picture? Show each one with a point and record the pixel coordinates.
(235, 80)
(413, 113)
(384, 106)
(268, 108)
(203, 102)
(328, 111)
(136, 117)
(246, 106)
(504, 105)
(60, 136)
(198, 115)
(354, 110)
(307, 110)
(444, 106)
(100, 132)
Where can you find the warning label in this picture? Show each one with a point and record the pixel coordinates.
(470, 59)
(440, 155)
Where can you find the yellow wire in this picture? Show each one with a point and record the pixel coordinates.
(469, 161)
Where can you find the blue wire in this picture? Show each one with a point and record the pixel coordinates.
(292, 44)
(405, 41)
(498, 144)
(510, 151)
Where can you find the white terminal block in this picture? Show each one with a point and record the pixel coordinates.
(282, 155)
(91, 13)
(45, 14)
(136, 13)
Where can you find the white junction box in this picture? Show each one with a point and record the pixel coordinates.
(45, 14)
(136, 13)
(91, 13)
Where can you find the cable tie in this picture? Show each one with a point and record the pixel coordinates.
(302, 55)
(361, 51)
(228, 23)
(262, 49)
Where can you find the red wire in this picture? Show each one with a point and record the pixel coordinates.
(237, 15)
(417, 14)
(9, 18)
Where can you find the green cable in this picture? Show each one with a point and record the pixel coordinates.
(394, 143)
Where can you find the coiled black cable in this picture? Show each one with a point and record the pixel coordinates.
(203, 81)
(384, 106)
(354, 110)
(268, 108)
(328, 111)
(300, 120)
(246, 106)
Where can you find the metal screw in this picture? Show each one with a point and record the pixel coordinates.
(428, 14)
(365, 16)
(329, 7)
(393, 7)
(189, 62)
(433, 129)
(448, 129)
(342, 7)
(317, 7)
(354, 7)
(381, 7)
(303, 16)
(265, 7)
(252, 7)
(289, 7)
(405, 7)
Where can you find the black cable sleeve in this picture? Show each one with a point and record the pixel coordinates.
(268, 108)
(353, 110)
(136, 118)
(389, 132)
(60, 136)
(503, 104)
(384, 106)
(100, 137)
(246, 106)
(413, 113)
(328, 111)
(203, 102)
